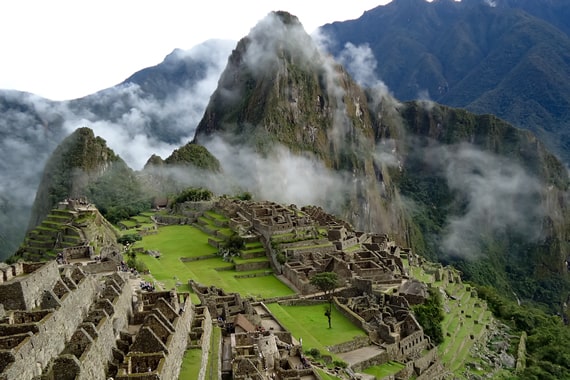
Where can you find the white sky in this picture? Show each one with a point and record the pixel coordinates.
(63, 49)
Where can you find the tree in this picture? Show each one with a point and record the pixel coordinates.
(327, 282)
(430, 316)
(128, 239)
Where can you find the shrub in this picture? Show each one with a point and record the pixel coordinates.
(314, 352)
(129, 239)
(340, 363)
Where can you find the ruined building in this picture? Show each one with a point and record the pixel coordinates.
(76, 325)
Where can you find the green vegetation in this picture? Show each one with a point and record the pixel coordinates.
(325, 375)
(212, 368)
(430, 315)
(327, 282)
(195, 155)
(127, 239)
(193, 195)
(191, 364)
(117, 194)
(176, 242)
(547, 348)
(306, 322)
(386, 369)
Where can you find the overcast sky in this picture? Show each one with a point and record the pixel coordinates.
(64, 49)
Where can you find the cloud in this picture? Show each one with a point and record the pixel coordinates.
(277, 175)
(425, 101)
(386, 154)
(273, 36)
(280, 175)
(137, 124)
(499, 196)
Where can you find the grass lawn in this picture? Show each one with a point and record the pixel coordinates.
(387, 369)
(142, 218)
(217, 216)
(310, 323)
(191, 364)
(212, 368)
(326, 376)
(128, 223)
(174, 242)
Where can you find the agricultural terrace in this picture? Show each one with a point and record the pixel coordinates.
(465, 321)
(310, 324)
(182, 242)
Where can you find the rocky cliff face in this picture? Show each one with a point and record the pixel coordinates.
(486, 197)
(462, 188)
(505, 57)
(279, 90)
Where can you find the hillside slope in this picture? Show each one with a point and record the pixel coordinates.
(457, 187)
(510, 60)
(153, 111)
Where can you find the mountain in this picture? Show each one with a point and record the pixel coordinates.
(509, 58)
(288, 123)
(278, 90)
(83, 165)
(457, 187)
(153, 111)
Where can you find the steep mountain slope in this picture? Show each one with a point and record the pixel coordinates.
(488, 198)
(78, 161)
(454, 186)
(277, 91)
(153, 111)
(492, 59)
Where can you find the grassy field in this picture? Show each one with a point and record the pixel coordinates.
(174, 242)
(326, 376)
(212, 368)
(310, 323)
(387, 369)
(191, 364)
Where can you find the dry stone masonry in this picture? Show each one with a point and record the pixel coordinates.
(80, 317)
(59, 322)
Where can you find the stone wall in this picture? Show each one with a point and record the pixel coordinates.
(52, 332)
(351, 345)
(352, 316)
(179, 341)
(100, 267)
(25, 291)
(162, 339)
(244, 267)
(206, 338)
(381, 358)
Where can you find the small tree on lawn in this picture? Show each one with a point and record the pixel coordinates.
(327, 282)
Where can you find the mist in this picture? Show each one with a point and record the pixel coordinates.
(141, 121)
(499, 196)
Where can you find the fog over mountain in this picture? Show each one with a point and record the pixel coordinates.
(287, 122)
(509, 58)
(153, 112)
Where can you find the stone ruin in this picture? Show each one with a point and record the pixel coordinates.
(60, 322)
(254, 344)
(376, 290)
(84, 321)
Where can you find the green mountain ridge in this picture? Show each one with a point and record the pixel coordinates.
(507, 58)
(454, 186)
